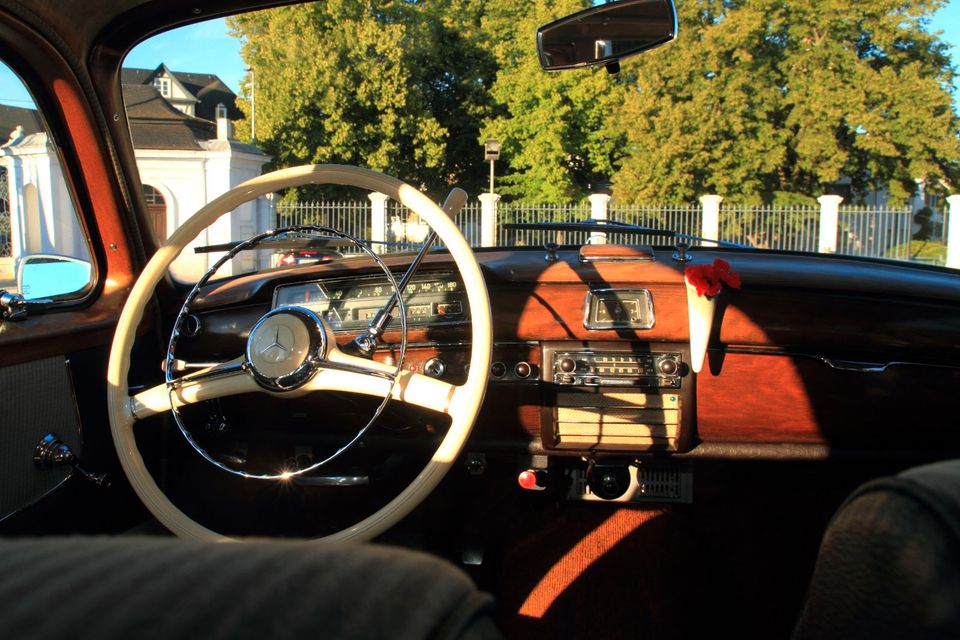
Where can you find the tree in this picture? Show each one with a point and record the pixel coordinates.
(368, 84)
(769, 100)
(553, 126)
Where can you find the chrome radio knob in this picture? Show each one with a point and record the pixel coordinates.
(523, 370)
(668, 366)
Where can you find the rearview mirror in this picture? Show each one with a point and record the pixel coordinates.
(605, 34)
(52, 277)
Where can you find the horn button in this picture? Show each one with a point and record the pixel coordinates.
(285, 348)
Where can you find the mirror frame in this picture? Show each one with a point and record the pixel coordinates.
(54, 258)
(612, 61)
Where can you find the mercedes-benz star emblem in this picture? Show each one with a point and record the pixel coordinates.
(276, 351)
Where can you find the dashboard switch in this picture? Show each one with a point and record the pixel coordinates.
(523, 370)
(532, 480)
(434, 367)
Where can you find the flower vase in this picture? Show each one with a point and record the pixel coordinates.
(700, 310)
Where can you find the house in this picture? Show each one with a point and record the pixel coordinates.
(195, 94)
(181, 125)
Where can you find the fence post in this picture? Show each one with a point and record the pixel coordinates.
(598, 211)
(953, 232)
(378, 220)
(488, 219)
(710, 222)
(829, 220)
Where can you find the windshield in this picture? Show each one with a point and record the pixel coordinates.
(799, 126)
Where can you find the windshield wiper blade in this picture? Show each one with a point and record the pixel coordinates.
(613, 226)
(286, 244)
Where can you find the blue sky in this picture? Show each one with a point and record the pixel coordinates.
(178, 49)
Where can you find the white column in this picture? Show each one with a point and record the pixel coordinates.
(953, 232)
(488, 219)
(829, 218)
(378, 220)
(598, 211)
(710, 222)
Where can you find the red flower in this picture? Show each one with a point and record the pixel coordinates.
(709, 279)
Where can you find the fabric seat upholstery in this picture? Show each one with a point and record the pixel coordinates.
(889, 563)
(169, 588)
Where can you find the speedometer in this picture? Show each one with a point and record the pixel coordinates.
(350, 303)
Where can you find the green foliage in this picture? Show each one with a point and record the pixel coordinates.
(368, 84)
(922, 250)
(761, 101)
(924, 218)
(554, 126)
(762, 98)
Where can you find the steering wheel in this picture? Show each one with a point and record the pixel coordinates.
(343, 372)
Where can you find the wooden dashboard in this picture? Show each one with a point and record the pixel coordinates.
(812, 351)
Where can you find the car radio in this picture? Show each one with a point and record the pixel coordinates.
(617, 368)
(616, 397)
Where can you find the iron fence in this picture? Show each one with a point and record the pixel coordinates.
(875, 232)
(882, 232)
(351, 217)
(787, 228)
(5, 246)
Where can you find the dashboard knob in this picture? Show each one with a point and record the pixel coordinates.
(523, 370)
(609, 482)
(668, 366)
(434, 367)
(498, 369)
(568, 365)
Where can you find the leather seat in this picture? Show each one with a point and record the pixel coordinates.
(169, 588)
(889, 562)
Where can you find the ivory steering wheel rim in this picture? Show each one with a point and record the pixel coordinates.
(462, 403)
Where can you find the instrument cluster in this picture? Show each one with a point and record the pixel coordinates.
(349, 304)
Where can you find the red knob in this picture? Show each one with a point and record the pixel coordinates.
(532, 480)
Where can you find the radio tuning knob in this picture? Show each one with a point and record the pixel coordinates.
(568, 365)
(667, 366)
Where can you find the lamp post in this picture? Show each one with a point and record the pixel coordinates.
(491, 152)
(253, 105)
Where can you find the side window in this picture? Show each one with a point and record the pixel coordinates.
(44, 252)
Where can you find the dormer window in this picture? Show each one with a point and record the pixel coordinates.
(163, 86)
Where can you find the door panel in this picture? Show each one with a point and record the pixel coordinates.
(36, 398)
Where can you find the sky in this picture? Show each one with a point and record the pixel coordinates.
(222, 53)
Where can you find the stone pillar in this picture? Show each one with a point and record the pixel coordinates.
(829, 219)
(378, 221)
(953, 232)
(488, 219)
(710, 222)
(598, 211)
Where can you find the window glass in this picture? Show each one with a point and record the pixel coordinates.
(754, 152)
(44, 251)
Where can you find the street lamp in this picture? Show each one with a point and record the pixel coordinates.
(253, 106)
(491, 152)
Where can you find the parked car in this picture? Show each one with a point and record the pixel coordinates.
(612, 440)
